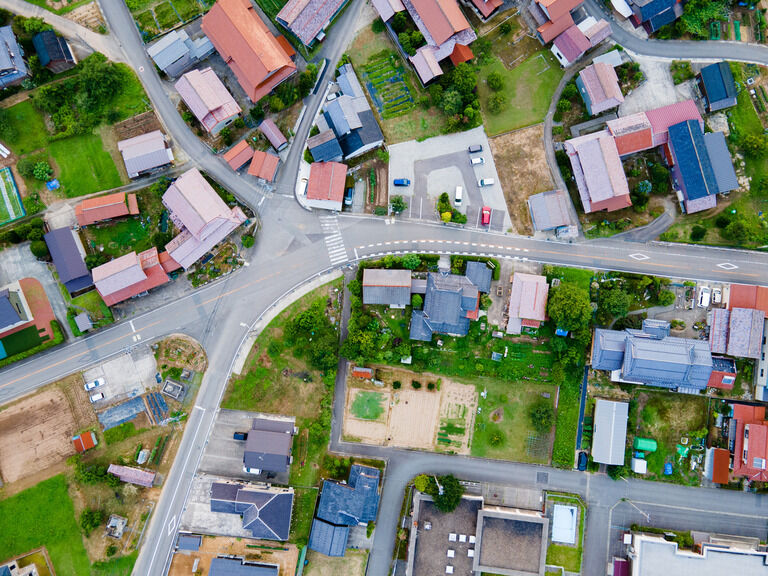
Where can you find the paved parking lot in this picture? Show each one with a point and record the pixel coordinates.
(223, 455)
(198, 517)
(127, 375)
(440, 165)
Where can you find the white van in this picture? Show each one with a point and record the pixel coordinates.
(704, 295)
(486, 182)
(459, 195)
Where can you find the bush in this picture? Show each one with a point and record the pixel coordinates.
(698, 232)
(247, 240)
(378, 26)
(541, 415)
(430, 385)
(571, 91)
(42, 171)
(400, 22)
(506, 27)
(257, 112)
(396, 385)
(111, 550)
(415, 384)
(275, 103)
(90, 519)
(39, 249)
(497, 102)
(417, 301)
(564, 105)
(722, 220)
(495, 81)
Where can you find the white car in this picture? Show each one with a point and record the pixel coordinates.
(717, 296)
(96, 397)
(704, 295)
(476, 161)
(94, 384)
(459, 195)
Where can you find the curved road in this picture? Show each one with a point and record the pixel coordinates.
(290, 249)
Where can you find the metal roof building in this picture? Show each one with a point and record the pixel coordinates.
(692, 169)
(239, 567)
(273, 134)
(53, 51)
(268, 447)
(324, 147)
(720, 157)
(717, 85)
(308, 18)
(387, 287)
(610, 435)
(353, 503)
(67, 253)
(745, 333)
(549, 210)
(12, 67)
(266, 513)
(176, 52)
(480, 275)
(144, 153)
(328, 539)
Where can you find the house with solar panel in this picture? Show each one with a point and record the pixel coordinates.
(652, 357)
(717, 86)
(265, 511)
(342, 506)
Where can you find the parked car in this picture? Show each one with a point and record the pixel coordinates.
(717, 295)
(704, 295)
(158, 378)
(96, 397)
(486, 182)
(94, 384)
(240, 436)
(475, 148)
(348, 193)
(459, 195)
(582, 461)
(486, 215)
(402, 182)
(477, 160)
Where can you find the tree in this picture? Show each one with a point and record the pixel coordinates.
(697, 14)
(615, 303)
(446, 216)
(464, 78)
(569, 306)
(257, 112)
(421, 483)
(275, 103)
(398, 204)
(666, 298)
(754, 146)
(94, 260)
(698, 232)
(451, 496)
(541, 415)
(90, 519)
(33, 25)
(564, 105)
(417, 301)
(99, 79)
(226, 136)
(417, 39)
(452, 102)
(247, 240)
(405, 41)
(378, 26)
(571, 91)
(39, 249)
(497, 102)
(42, 171)
(411, 261)
(506, 27)
(399, 22)
(495, 81)
(483, 48)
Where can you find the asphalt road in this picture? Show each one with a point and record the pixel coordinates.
(290, 250)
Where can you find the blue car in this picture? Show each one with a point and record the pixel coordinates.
(402, 182)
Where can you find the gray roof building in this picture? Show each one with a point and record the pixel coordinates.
(745, 333)
(610, 436)
(649, 356)
(722, 165)
(176, 52)
(328, 539)
(144, 153)
(450, 302)
(549, 210)
(386, 286)
(189, 542)
(324, 147)
(480, 275)
(12, 67)
(268, 447)
(14, 310)
(266, 513)
(239, 567)
(53, 51)
(83, 322)
(68, 257)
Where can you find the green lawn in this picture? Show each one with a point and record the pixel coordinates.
(301, 517)
(580, 276)
(97, 310)
(121, 566)
(63, 10)
(31, 133)
(187, 9)
(166, 16)
(131, 99)
(44, 516)
(270, 7)
(121, 237)
(147, 24)
(569, 557)
(529, 88)
(86, 167)
(368, 405)
(21, 341)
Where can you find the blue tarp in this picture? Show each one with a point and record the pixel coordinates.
(123, 412)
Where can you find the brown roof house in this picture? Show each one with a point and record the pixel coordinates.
(553, 17)
(443, 26)
(92, 210)
(208, 99)
(201, 215)
(129, 276)
(325, 189)
(260, 60)
(144, 153)
(308, 19)
(264, 165)
(527, 302)
(238, 155)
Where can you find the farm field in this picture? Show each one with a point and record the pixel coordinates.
(10, 203)
(383, 76)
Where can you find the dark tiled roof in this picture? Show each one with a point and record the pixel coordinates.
(650, 8)
(269, 445)
(367, 134)
(718, 82)
(236, 567)
(324, 147)
(352, 503)
(447, 301)
(328, 539)
(50, 47)
(721, 161)
(480, 275)
(189, 542)
(266, 514)
(8, 314)
(69, 263)
(687, 143)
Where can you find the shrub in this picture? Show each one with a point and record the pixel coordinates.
(247, 240)
(495, 81)
(497, 102)
(239, 122)
(417, 301)
(42, 171)
(430, 385)
(506, 27)
(378, 26)
(698, 232)
(542, 415)
(257, 112)
(399, 22)
(571, 91)
(416, 384)
(722, 220)
(396, 384)
(275, 103)
(111, 550)
(226, 136)
(564, 105)
(39, 249)
(90, 519)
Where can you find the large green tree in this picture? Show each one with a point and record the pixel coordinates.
(569, 306)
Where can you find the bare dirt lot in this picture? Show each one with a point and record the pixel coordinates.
(285, 555)
(137, 125)
(523, 171)
(352, 564)
(183, 352)
(29, 445)
(439, 419)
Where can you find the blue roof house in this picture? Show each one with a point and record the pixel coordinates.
(653, 14)
(693, 170)
(650, 356)
(450, 302)
(344, 505)
(239, 567)
(266, 513)
(717, 86)
(68, 257)
(12, 67)
(324, 147)
(53, 51)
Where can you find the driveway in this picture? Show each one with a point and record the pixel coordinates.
(440, 165)
(18, 262)
(657, 89)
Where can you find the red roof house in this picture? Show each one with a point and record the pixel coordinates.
(208, 99)
(442, 18)
(260, 62)
(750, 453)
(325, 189)
(129, 276)
(83, 442)
(600, 88)
(662, 118)
(645, 130)
(742, 296)
(527, 302)
(238, 155)
(360, 372)
(461, 54)
(487, 7)
(264, 165)
(92, 210)
(553, 17)
(308, 18)
(721, 460)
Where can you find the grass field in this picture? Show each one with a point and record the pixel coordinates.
(85, 166)
(569, 557)
(529, 88)
(131, 99)
(63, 10)
(95, 306)
(166, 16)
(21, 341)
(10, 203)
(147, 24)
(44, 516)
(367, 405)
(31, 133)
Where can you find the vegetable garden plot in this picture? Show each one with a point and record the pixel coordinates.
(385, 83)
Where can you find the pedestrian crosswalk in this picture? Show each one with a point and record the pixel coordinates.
(334, 242)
